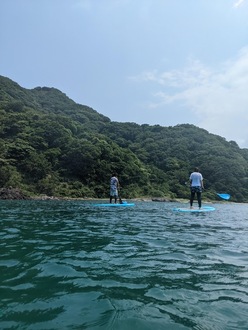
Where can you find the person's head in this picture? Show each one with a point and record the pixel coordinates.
(114, 174)
(196, 169)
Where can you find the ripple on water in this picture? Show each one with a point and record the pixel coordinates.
(66, 265)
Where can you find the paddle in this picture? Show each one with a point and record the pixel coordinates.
(224, 196)
(120, 200)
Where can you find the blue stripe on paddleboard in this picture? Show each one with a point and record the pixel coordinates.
(203, 209)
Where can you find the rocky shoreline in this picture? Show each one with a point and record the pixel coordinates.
(17, 194)
(12, 193)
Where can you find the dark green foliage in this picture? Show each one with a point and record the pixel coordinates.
(51, 145)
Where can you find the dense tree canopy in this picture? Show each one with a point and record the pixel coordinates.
(51, 145)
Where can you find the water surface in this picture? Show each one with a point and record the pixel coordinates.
(70, 265)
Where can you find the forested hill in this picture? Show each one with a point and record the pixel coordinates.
(51, 145)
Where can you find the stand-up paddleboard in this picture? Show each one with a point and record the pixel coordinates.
(187, 209)
(124, 204)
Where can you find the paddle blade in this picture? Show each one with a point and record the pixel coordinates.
(224, 196)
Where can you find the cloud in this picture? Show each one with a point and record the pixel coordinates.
(238, 3)
(216, 98)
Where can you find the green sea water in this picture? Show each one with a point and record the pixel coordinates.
(70, 265)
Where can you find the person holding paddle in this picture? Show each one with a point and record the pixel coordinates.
(196, 186)
(114, 185)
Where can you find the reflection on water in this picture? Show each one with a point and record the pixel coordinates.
(69, 265)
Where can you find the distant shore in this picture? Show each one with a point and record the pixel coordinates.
(17, 194)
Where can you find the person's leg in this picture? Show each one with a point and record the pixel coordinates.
(116, 195)
(192, 196)
(110, 199)
(199, 199)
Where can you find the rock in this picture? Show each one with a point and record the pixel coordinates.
(161, 200)
(12, 193)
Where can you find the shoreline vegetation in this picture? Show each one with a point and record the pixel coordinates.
(53, 146)
(17, 194)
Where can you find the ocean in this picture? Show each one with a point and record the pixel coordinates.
(71, 265)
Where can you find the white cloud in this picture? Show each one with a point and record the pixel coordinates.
(238, 3)
(217, 98)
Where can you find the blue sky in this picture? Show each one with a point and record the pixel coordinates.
(163, 62)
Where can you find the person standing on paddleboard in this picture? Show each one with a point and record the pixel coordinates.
(114, 185)
(196, 186)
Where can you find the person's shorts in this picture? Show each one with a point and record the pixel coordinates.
(113, 192)
(196, 189)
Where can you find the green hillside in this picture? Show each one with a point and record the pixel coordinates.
(51, 145)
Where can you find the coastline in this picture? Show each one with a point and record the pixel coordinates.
(11, 193)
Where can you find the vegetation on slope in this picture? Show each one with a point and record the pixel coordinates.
(51, 145)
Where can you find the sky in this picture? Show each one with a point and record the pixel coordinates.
(164, 62)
